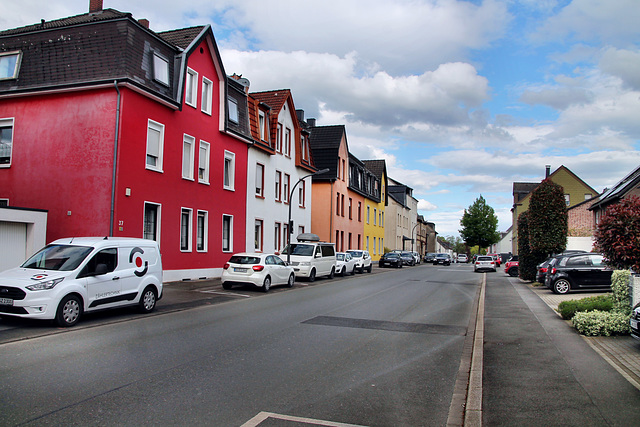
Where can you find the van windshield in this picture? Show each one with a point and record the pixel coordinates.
(58, 257)
(299, 249)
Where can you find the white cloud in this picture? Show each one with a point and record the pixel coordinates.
(425, 205)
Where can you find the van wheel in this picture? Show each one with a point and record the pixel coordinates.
(147, 300)
(353, 272)
(333, 272)
(369, 268)
(292, 279)
(227, 286)
(266, 285)
(312, 276)
(69, 311)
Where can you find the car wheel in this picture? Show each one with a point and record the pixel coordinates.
(369, 268)
(227, 285)
(312, 275)
(333, 272)
(353, 272)
(69, 311)
(399, 265)
(561, 286)
(266, 285)
(147, 300)
(291, 280)
(513, 272)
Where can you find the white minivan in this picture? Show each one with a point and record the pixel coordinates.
(310, 257)
(75, 275)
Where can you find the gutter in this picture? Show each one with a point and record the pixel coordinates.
(115, 160)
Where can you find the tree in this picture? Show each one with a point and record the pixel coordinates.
(456, 244)
(527, 260)
(618, 234)
(548, 220)
(479, 224)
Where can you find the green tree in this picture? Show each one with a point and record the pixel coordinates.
(479, 224)
(456, 243)
(548, 220)
(618, 234)
(526, 259)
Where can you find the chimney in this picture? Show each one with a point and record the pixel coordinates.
(548, 171)
(144, 23)
(95, 6)
(311, 122)
(300, 114)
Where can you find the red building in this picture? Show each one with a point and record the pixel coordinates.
(117, 130)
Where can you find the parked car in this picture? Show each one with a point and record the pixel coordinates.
(634, 322)
(416, 256)
(541, 269)
(363, 260)
(391, 259)
(463, 258)
(497, 258)
(345, 263)
(311, 258)
(444, 259)
(484, 262)
(407, 258)
(261, 270)
(511, 266)
(72, 276)
(430, 257)
(578, 271)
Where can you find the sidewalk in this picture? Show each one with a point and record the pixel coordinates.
(621, 352)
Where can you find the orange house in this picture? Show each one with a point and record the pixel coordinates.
(337, 212)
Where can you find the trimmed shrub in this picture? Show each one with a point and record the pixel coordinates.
(594, 323)
(568, 309)
(620, 288)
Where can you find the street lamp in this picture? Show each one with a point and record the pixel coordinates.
(412, 239)
(290, 203)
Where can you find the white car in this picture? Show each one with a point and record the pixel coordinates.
(484, 262)
(463, 258)
(416, 256)
(345, 263)
(363, 260)
(261, 270)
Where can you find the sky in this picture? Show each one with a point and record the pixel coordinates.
(461, 98)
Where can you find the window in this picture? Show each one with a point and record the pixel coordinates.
(338, 169)
(343, 169)
(375, 248)
(287, 142)
(258, 235)
(151, 222)
(276, 236)
(201, 236)
(187, 156)
(337, 203)
(229, 170)
(285, 234)
(367, 214)
(155, 145)
(588, 196)
(6, 141)
(4, 203)
(350, 207)
(185, 230)
(375, 217)
(279, 138)
(278, 186)
(301, 194)
(10, 64)
(359, 216)
(367, 248)
(342, 205)
(285, 188)
(227, 233)
(304, 146)
(300, 229)
(207, 92)
(160, 69)
(264, 131)
(567, 199)
(233, 110)
(203, 163)
(191, 88)
(259, 180)
(381, 219)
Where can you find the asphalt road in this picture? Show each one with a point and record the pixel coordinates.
(374, 349)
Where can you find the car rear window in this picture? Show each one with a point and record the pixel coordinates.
(236, 259)
(485, 258)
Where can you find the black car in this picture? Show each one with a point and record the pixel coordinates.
(444, 259)
(430, 257)
(578, 271)
(541, 272)
(391, 259)
(407, 258)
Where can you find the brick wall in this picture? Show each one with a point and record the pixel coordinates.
(581, 222)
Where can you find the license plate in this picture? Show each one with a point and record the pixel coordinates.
(240, 270)
(6, 301)
(634, 323)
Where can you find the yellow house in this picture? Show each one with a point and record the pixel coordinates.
(575, 191)
(374, 210)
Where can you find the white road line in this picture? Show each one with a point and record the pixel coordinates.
(230, 294)
(263, 416)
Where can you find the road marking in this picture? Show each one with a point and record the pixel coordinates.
(264, 416)
(230, 294)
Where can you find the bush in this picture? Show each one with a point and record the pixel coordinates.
(620, 288)
(594, 323)
(568, 309)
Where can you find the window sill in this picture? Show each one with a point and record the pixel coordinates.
(259, 196)
(149, 168)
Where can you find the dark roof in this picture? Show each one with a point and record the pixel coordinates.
(619, 190)
(325, 145)
(86, 18)
(377, 167)
(182, 37)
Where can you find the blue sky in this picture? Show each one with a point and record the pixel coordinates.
(461, 98)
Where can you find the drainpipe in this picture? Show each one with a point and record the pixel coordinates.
(115, 158)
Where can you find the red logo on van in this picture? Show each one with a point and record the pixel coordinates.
(136, 253)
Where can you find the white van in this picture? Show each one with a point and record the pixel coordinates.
(310, 257)
(75, 275)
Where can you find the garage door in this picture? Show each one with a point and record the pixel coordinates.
(13, 244)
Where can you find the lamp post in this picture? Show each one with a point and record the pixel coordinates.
(412, 239)
(290, 203)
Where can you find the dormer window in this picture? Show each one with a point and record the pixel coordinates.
(160, 69)
(10, 64)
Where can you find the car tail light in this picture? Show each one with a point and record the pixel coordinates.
(553, 270)
(226, 266)
(258, 267)
(543, 270)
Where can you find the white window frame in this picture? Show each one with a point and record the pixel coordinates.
(258, 237)
(157, 127)
(203, 177)
(7, 72)
(229, 232)
(259, 192)
(277, 243)
(230, 159)
(191, 88)
(302, 190)
(232, 106)
(7, 123)
(278, 186)
(189, 230)
(158, 208)
(264, 126)
(286, 183)
(160, 69)
(188, 157)
(279, 138)
(287, 142)
(205, 231)
(207, 95)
